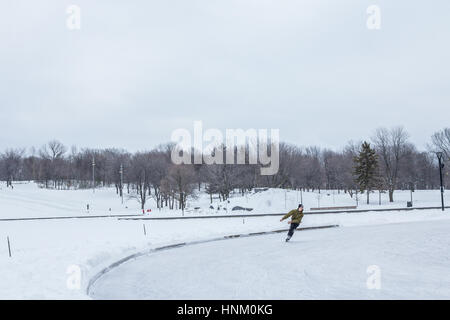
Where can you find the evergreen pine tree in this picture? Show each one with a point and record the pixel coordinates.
(366, 169)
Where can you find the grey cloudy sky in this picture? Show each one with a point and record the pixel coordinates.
(137, 70)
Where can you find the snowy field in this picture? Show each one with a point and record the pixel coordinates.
(44, 252)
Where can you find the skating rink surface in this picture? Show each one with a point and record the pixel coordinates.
(393, 261)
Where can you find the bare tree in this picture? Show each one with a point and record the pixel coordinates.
(152, 173)
(56, 149)
(10, 165)
(312, 169)
(441, 141)
(182, 180)
(140, 175)
(52, 155)
(159, 163)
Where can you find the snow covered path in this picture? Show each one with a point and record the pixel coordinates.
(413, 259)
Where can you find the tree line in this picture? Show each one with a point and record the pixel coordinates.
(387, 162)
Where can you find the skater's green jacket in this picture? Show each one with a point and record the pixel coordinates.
(296, 216)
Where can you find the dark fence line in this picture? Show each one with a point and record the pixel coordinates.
(140, 217)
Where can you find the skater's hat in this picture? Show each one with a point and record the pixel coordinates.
(300, 205)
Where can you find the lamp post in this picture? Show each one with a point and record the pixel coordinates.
(182, 203)
(441, 166)
(121, 181)
(93, 174)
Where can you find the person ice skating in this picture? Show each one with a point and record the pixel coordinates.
(297, 215)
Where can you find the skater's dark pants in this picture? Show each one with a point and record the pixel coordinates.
(292, 229)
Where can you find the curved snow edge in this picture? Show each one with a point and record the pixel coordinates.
(182, 244)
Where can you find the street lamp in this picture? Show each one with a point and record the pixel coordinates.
(182, 202)
(411, 189)
(93, 174)
(441, 166)
(121, 181)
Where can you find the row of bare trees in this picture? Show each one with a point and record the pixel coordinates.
(152, 173)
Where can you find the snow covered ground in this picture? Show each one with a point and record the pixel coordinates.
(27, 200)
(400, 261)
(45, 252)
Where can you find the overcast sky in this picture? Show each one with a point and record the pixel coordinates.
(137, 70)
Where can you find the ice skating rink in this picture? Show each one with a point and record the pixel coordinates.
(403, 260)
